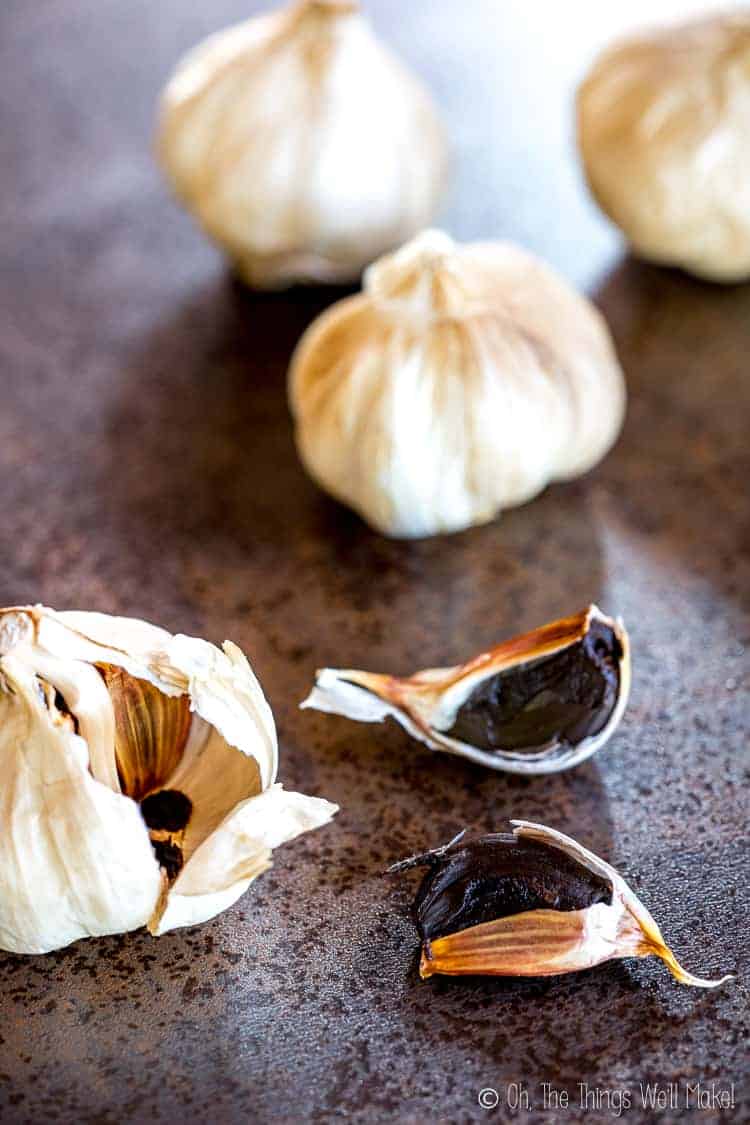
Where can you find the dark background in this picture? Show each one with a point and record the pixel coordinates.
(147, 468)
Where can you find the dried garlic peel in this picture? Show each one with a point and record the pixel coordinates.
(99, 713)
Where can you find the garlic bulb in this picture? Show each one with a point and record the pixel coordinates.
(303, 147)
(138, 779)
(460, 382)
(538, 703)
(664, 131)
(535, 903)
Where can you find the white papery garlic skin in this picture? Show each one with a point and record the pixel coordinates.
(301, 144)
(461, 381)
(98, 713)
(664, 131)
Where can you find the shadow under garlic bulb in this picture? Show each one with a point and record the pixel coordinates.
(138, 779)
(459, 382)
(301, 144)
(664, 132)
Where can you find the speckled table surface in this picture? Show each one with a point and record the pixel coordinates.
(147, 468)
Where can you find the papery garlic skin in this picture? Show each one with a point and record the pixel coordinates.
(76, 856)
(301, 144)
(664, 132)
(461, 381)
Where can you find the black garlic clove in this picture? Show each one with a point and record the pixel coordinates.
(499, 875)
(538, 703)
(167, 813)
(534, 903)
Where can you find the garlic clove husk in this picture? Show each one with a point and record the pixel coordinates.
(220, 683)
(151, 730)
(461, 381)
(161, 754)
(301, 144)
(539, 703)
(662, 130)
(532, 904)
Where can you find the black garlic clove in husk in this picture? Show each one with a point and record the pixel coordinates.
(534, 903)
(538, 703)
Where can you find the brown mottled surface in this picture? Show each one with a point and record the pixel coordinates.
(147, 468)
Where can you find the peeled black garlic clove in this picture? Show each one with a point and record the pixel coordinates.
(534, 903)
(539, 703)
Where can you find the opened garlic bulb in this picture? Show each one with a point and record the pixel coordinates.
(535, 903)
(303, 147)
(138, 779)
(460, 382)
(538, 703)
(664, 130)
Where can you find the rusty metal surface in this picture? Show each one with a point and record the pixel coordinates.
(147, 468)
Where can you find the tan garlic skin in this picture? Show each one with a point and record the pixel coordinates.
(301, 144)
(664, 132)
(101, 719)
(459, 382)
(552, 942)
(426, 704)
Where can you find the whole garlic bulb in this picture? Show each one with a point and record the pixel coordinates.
(138, 779)
(460, 382)
(664, 131)
(304, 148)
